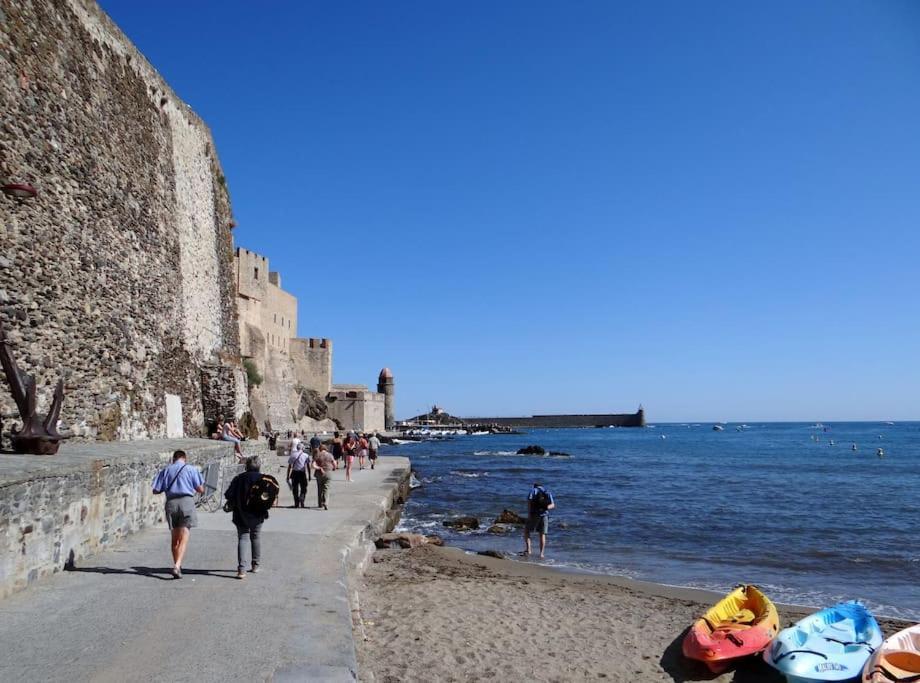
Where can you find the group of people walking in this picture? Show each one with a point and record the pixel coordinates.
(313, 460)
(251, 493)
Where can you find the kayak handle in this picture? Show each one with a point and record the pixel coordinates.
(851, 642)
(891, 677)
(792, 652)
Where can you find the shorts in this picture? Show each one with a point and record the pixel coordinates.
(372, 455)
(349, 459)
(181, 513)
(231, 439)
(362, 453)
(539, 524)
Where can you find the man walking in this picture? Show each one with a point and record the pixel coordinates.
(180, 483)
(298, 462)
(373, 445)
(248, 521)
(315, 443)
(539, 503)
(323, 466)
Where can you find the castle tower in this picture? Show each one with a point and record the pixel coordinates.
(386, 387)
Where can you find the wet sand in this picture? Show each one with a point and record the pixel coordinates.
(439, 614)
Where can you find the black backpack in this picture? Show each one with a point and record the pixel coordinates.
(540, 501)
(261, 495)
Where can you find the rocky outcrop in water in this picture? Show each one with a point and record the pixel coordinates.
(462, 523)
(532, 450)
(508, 517)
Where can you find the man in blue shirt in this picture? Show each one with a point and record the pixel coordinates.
(180, 482)
(539, 503)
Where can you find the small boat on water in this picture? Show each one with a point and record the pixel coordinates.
(832, 644)
(898, 659)
(718, 428)
(742, 623)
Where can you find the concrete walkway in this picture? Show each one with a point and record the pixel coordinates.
(121, 617)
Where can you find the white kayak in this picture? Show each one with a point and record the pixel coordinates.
(897, 660)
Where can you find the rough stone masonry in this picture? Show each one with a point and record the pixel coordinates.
(118, 275)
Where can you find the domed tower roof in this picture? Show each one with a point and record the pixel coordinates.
(386, 373)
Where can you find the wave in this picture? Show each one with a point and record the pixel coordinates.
(472, 475)
(548, 454)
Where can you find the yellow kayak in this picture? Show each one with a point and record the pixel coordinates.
(742, 623)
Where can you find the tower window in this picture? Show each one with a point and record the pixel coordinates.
(256, 274)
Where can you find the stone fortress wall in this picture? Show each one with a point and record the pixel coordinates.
(292, 367)
(119, 274)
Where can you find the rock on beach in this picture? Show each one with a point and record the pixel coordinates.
(462, 523)
(508, 517)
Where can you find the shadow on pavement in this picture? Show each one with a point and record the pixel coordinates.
(161, 573)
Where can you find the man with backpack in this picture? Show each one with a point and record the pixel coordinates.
(323, 466)
(539, 503)
(180, 483)
(250, 496)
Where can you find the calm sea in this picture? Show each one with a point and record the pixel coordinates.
(775, 504)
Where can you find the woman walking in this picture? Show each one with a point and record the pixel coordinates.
(362, 450)
(349, 447)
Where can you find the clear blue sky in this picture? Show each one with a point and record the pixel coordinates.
(710, 208)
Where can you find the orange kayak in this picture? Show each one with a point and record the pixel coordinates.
(742, 623)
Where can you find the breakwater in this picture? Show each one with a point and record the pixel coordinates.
(636, 419)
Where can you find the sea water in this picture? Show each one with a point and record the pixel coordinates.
(791, 507)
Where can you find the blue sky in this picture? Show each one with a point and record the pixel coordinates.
(709, 208)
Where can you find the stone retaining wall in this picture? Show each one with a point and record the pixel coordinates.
(76, 506)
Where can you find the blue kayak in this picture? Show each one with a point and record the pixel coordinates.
(830, 645)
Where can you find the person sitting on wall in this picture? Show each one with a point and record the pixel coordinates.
(218, 429)
(229, 434)
(180, 483)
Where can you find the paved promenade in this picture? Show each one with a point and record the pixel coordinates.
(121, 617)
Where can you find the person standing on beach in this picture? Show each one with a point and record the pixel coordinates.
(323, 466)
(373, 445)
(298, 465)
(180, 483)
(248, 521)
(539, 503)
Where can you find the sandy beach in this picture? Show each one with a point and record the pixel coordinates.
(439, 614)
